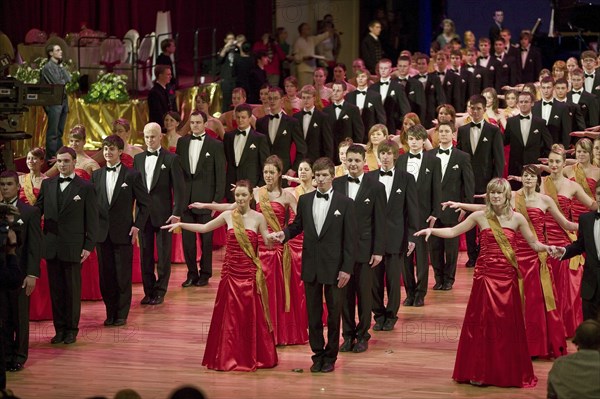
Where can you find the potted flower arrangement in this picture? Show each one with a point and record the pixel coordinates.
(110, 87)
(30, 73)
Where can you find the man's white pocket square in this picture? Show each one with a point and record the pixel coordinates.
(485, 139)
(315, 125)
(124, 185)
(536, 131)
(207, 154)
(337, 213)
(411, 92)
(284, 132)
(252, 146)
(393, 93)
(398, 191)
(163, 167)
(20, 221)
(455, 166)
(426, 170)
(556, 117)
(369, 105)
(345, 117)
(76, 198)
(367, 201)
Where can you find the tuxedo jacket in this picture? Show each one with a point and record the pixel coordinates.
(478, 80)
(370, 52)
(325, 254)
(72, 227)
(560, 121)
(434, 96)
(158, 104)
(29, 252)
(463, 83)
(167, 187)
(369, 210)
(428, 185)
(395, 104)
(538, 144)
(458, 183)
(207, 183)
(488, 159)
(596, 85)
(348, 124)
(401, 210)
(514, 50)
(489, 71)
(533, 65)
(451, 85)
(577, 118)
(588, 106)
(289, 131)
(115, 218)
(506, 72)
(415, 92)
(319, 139)
(585, 243)
(372, 112)
(255, 152)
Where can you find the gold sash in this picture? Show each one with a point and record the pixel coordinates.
(28, 189)
(582, 180)
(261, 284)
(543, 256)
(269, 214)
(550, 189)
(507, 250)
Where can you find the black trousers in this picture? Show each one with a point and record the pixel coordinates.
(359, 288)
(387, 276)
(189, 247)
(154, 286)
(65, 293)
(591, 307)
(416, 287)
(115, 261)
(334, 298)
(14, 310)
(444, 256)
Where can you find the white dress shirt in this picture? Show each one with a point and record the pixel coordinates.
(306, 119)
(274, 127)
(383, 89)
(239, 143)
(413, 165)
(360, 98)
(576, 95)
(525, 128)
(64, 184)
(111, 181)
(194, 152)
(597, 236)
(444, 159)
(546, 110)
(475, 135)
(354, 187)
(484, 61)
(338, 111)
(387, 181)
(320, 209)
(524, 57)
(589, 81)
(149, 167)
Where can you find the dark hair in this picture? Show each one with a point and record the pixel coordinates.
(449, 109)
(561, 81)
(301, 26)
(275, 161)
(357, 149)
(589, 54)
(533, 170)
(200, 113)
(78, 132)
(122, 122)
(449, 124)
(587, 335)
(113, 140)
(275, 89)
(478, 99)
(347, 142)
(404, 58)
(38, 152)
(160, 69)
(324, 163)
(343, 84)
(244, 108)
(417, 131)
(164, 45)
(341, 65)
(188, 392)
(244, 183)
(547, 79)
(373, 22)
(50, 48)
(10, 174)
(389, 145)
(527, 93)
(67, 150)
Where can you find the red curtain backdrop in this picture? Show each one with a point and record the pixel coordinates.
(116, 17)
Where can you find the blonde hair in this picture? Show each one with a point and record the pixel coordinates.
(501, 185)
(559, 150)
(594, 161)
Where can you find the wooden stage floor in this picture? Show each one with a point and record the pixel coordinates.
(162, 347)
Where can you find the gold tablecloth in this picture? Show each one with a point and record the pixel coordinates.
(98, 118)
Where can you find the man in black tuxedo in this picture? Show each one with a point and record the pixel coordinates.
(315, 126)
(485, 61)
(451, 82)
(483, 142)
(402, 221)
(245, 152)
(393, 97)
(434, 92)
(328, 220)
(506, 69)
(118, 189)
(281, 130)
(369, 207)
(370, 47)
(591, 74)
(69, 206)
(479, 78)
(158, 97)
(554, 113)
(510, 49)
(588, 241)
(163, 179)
(457, 184)
(368, 101)
(497, 26)
(343, 117)
(531, 59)
(14, 304)
(463, 74)
(203, 162)
(414, 90)
(527, 136)
(426, 170)
(588, 103)
(561, 91)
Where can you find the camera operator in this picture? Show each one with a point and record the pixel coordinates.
(10, 274)
(14, 304)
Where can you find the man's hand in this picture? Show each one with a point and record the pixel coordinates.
(84, 255)
(343, 279)
(29, 285)
(375, 260)
(411, 248)
(556, 252)
(134, 234)
(278, 236)
(173, 219)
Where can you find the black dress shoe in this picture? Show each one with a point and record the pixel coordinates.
(347, 345)
(58, 338)
(409, 301)
(146, 300)
(14, 367)
(447, 286)
(157, 300)
(120, 322)
(361, 346)
(419, 302)
(201, 282)
(327, 368)
(189, 282)
(378, 326)
(70, 339)
(316, 367)
(470, 263)
(389, 324)
(109, 321)
(437, 286)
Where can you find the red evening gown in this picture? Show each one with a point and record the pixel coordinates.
(568, 282)
(577, 208)
(493, 346)
(289, 327)
(545, 329)
(40, 306)
(136, 270)
(90, 274)
(239, 337)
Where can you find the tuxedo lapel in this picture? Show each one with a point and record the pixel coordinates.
(451, 162)
(103, 185)
(249, 142)
(204, 153)
(69, 194)
(184, 157)
(423, 170)
(309, 214)
(118, 184)
(330, 214)
(158, 167)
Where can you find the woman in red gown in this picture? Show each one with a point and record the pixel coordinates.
(584, 173)
(40, 306)
(493, 345)
(567, 273)
(240, 337)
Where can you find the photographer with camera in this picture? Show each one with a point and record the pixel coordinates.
(14, 304)
(10, 274)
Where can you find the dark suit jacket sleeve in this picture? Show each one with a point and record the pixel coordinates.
(379, 111)
(547, 141)
(10, 273)
(508, 132)
(142, 199)
(34, 241)
(91, 218)
(327, 138)
(566, 122)
(39, 203)
(380, 222)
(594, 112)
(297, 226)
(498, 151)
(298, 138)
(219, 172)
(468, 180)
(577, 247)
(358, 128)
(178, 186)
(437, 188)
(404, 105)
(350, 240)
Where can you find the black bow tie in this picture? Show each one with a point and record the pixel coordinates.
(499, 57)
(353, 180)
(422, 76)
(454, 70)
(199, 138)
(113, 169)
(240, 132)
(547, 103)
(481, 57)
(576, 92)
(324, 196)
(477, 125)
(385, 83)
(523, 49)
(403, 79)
(337, 106)
(307, 113)
(64, 179)
(388, 173)
(588, 75)
(276, 116)
(151, 154)
(441, 73)
(524, 117)
(447, 152)
(364, 93)
(470, 66)
(418, 156)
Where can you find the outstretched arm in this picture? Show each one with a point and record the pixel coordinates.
(197, 227)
